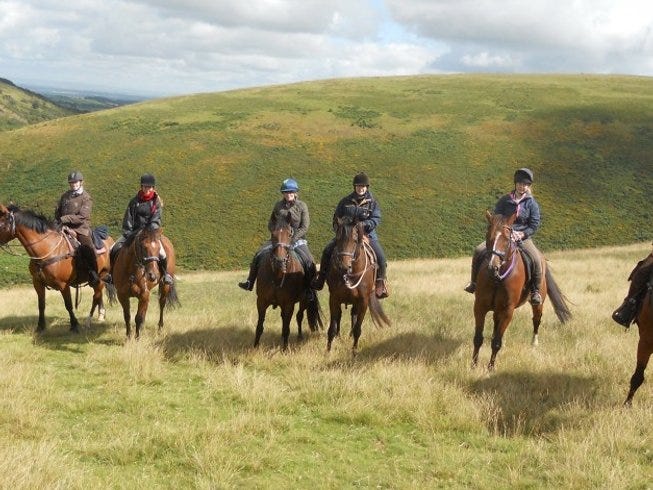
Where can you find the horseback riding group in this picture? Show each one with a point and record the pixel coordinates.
(507, 268)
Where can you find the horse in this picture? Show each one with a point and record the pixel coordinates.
(644, 321)
(502, 286)
(281, 281)
(351, 279)
(52, 260)
(136, 272)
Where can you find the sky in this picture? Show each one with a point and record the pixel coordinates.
(175, 47)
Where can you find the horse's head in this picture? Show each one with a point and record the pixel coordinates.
(281, 238)
(7, 225)
(147, 247)
(348, 237)
(499, 240)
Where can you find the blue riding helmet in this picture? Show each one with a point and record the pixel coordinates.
(289, 185)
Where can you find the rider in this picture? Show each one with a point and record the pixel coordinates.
(74, 213)
(144, 210)
(360, 205)
(641, 279)
(524, 227)
(289, 205)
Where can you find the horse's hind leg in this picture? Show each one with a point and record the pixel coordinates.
(124, 302)
(97, 303)
(300, 318)
(357, 327)
(68, 302)
(163, 298)
(537, 318)
(261, 307)
(286, 318)
(644, 350)
(334, 323)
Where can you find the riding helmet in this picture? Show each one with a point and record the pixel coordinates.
(361, 179)
(75, 176)
(289, 185)
(524, 175)
(148, 179)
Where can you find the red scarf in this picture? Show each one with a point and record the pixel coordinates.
(148, 196)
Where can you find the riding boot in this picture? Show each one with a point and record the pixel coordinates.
(163, 268)
(248, 285)
(536, 297)
(318, 281)
(641, 274)
(381, 289)
(476, 263)
(90, 262)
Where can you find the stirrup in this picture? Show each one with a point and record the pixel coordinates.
(246, 285)
(625, 314)
(536, 298)
(381, 289)
(318, 282)
(167, 279)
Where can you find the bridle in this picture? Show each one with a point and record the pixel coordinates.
(504, 256)
(281, 263)
(9, 225)
(350, 276)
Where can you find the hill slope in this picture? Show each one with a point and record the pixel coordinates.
(20, 107)
(439, 150)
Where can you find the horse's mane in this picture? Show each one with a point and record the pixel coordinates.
(31, 219)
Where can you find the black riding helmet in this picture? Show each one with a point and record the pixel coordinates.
(361, 179)
(524, 175)
(148, 179)
(75, 176)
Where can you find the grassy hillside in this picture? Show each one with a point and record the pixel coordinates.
(197, 407)
(20, 107)
(439, 150)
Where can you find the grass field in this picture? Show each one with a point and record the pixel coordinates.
(197, 407)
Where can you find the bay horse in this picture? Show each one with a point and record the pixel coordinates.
(502, 286)
(52, 260)
(281, 281)
(351, 279)
(136, 272)
(644, 320)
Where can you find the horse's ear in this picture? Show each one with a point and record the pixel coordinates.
(340, 221)
(488, 216)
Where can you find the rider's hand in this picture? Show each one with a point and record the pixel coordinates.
(519, 235)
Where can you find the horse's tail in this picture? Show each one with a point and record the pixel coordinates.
(111, 293)
(172, 299)
(558, 299)
(314, 313)
(379, 318)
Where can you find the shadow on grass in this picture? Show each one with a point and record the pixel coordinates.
(533, 404)
(408, 346)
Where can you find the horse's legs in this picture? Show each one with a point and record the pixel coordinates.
(479, 317)
(286, 318)
(361, 309)
(97, 303)
(537, 318)
(124, 302)
(334, 323)
(68, 301)
(644, 350)
(40, 294)
(261, 307)
(300, 318)
(163, 298)
(139, 319)
(501, 322)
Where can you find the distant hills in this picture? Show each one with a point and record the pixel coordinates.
(439, 151)
(20, 107)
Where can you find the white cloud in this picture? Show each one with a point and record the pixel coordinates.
(183, 46)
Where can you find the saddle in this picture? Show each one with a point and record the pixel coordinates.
(528, 265)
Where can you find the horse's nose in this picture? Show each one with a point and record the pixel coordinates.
(151, 277)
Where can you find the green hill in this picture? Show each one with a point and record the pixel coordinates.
(439, 150)
(20, 107)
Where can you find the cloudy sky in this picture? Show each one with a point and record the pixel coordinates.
(171, 47)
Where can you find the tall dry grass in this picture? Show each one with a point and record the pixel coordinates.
(198, 407)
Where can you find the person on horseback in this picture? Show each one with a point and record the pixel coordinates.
(524, 227)
(73, 213)
(289, 205)
(360, 205)
(641, 279)
(145, 209)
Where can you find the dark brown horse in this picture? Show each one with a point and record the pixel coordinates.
(351, 279)
(280, 282)
(644, 320)
(52, 263)
(136, 272)
(502, 286)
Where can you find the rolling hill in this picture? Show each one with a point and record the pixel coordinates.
(439, 150)
(20, 107)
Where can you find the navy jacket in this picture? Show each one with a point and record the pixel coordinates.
(363, 208)
(528, 213)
